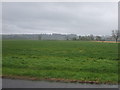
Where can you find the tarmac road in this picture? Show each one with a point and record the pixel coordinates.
(15, 83)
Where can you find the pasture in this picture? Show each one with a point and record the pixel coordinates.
(61, 60)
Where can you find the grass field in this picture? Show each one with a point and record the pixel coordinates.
(63, 60)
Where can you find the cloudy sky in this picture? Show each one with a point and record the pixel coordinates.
(81, 18)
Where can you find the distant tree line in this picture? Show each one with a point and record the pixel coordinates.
(114, 36)
(90, 38)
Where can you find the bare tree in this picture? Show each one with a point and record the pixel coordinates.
(67, 38)
(39, 37)
(116, 34)
(98, 38)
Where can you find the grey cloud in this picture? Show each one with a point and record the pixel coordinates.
(77, 18)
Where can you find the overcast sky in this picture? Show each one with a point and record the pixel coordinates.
(65, 18)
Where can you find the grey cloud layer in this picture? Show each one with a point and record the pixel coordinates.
(77, 18)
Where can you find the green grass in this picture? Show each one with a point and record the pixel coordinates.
(73, 60)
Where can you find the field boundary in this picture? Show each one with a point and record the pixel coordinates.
(54, 80)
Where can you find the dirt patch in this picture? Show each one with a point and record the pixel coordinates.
(107, 41)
